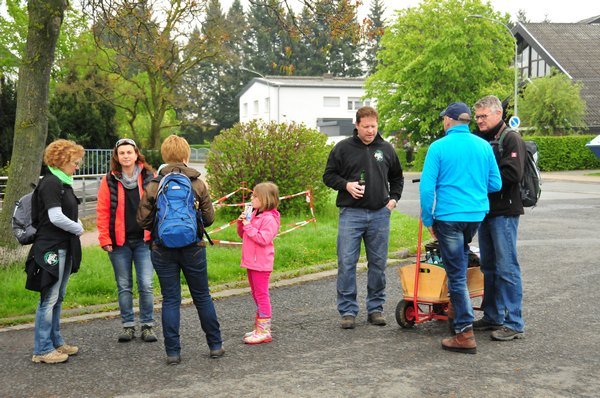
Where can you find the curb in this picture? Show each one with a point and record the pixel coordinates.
(224, 291)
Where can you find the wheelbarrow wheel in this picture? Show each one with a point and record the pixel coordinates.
(405, 314)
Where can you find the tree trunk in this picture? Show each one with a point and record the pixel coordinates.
(31, 121)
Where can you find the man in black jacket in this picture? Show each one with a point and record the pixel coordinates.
(503, 291)
(366, 172)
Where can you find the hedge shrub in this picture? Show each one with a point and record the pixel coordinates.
(292, 156)
(565, 152)
(556, 153)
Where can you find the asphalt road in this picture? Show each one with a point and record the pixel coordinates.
(311, 356)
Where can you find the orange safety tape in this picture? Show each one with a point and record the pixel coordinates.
(297, 225)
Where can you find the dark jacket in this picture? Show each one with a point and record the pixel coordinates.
(147, 209)
(384, 179)
(507, 202)
(41, 265)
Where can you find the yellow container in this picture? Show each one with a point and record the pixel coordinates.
(433, 283)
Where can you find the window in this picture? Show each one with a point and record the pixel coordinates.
(267, 104)
(354, 103)
(525, 62)
(255, 107)
(331, 102)
(245, 109)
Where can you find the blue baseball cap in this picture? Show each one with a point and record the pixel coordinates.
(457, 109)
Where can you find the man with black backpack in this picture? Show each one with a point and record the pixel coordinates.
(175, 207)
(503, 291)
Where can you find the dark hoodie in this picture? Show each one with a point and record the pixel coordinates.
(384, 179)
(507, 202)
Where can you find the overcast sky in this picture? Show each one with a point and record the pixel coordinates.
(536, 10)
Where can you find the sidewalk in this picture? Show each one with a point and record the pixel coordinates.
(572, 175)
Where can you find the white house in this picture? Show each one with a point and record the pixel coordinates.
(325, 103)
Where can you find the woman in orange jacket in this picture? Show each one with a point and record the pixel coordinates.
(121, 237)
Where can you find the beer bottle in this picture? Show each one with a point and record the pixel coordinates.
(361, 180)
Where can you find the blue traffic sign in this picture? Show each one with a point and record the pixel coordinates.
(514, 122)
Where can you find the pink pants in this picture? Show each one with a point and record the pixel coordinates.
(259, 286)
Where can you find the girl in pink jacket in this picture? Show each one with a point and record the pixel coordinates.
(257, 230)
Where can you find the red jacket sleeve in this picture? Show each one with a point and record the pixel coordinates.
(103, 213)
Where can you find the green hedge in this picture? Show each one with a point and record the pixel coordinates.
(556, 153)
(565, 152)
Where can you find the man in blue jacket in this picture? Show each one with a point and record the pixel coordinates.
(460, 169)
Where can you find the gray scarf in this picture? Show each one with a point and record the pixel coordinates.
(129, 182)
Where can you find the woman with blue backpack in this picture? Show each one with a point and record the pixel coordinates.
(175, 207)
(121, 237)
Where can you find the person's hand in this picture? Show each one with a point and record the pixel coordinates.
(391, 204)
(245, 222)
(107, 248)
(355, 190)
(242, 217)
(432, 232)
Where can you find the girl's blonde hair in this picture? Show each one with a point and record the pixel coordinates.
(268, 194)
(60, 152)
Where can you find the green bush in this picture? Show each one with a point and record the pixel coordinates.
(565, 152)
(556, 153)
(291, 155)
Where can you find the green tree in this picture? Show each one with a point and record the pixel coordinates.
(148, 50)
(325, 46)
(522, 16)
(83, 117)
(210, 88)
(14, 29)
(344, 55)
(433, 55)
(265, 51)
(374, 30)
(552, 105)
(8, 106)
(31, 121)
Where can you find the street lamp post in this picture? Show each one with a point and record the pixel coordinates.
(268, 85)
(516, 93)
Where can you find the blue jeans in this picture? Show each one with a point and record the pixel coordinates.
(356, 225)
(121, 257)
(454, 238)
(47, 317)
(503, 289)
(168, 264)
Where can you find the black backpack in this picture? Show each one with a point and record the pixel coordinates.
(531, 184)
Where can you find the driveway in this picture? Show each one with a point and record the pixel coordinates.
(311, 356)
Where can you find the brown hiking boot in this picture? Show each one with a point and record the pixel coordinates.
(68, 349)
(462, 342)
(376, 318)
(450, 310)
(347, 322)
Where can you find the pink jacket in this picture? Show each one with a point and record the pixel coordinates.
(258, 251)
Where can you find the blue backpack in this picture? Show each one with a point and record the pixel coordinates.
(177, 212)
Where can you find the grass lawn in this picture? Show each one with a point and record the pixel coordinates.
(296, 251)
